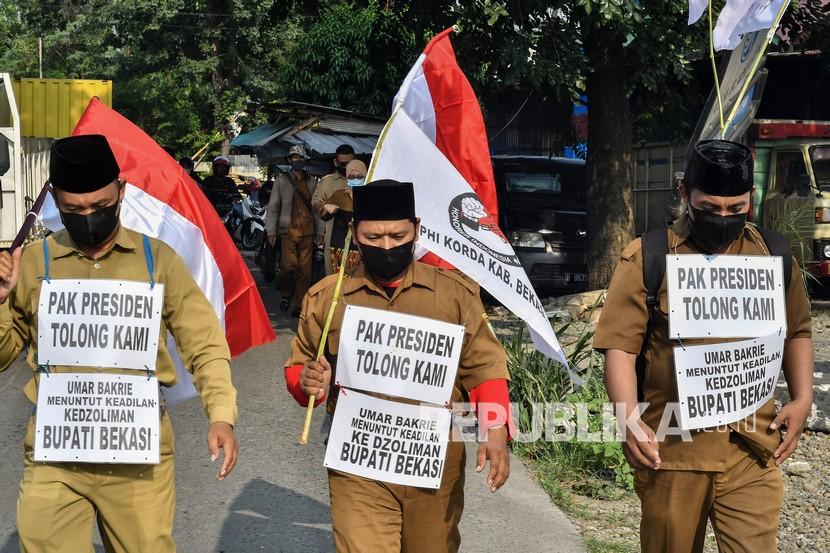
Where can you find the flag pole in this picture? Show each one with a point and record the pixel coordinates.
(715, 69)
(326, 327)
(756, 64)
(340, 274)
(31, 217)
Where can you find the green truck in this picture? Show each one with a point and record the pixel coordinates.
(792, 186)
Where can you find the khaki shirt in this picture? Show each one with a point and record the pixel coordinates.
(187, 314)
(622, 326)
(425, 291)
(326, 188)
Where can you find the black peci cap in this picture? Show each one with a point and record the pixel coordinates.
(384, 200)
(83, 163)
(720, 168)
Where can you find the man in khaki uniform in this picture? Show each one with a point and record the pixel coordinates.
(291, 219)
(369, 515)
(729, 475)
(328, 187)
(133, 504)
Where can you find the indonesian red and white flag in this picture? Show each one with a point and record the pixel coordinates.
(162, 202)
(438, 97)
(436, 139)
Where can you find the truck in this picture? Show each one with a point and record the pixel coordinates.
(791, 193)
(33, 114)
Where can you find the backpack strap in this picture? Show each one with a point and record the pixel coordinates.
(778, 245)
(655, 248)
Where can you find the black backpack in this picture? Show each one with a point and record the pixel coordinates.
(655, 249)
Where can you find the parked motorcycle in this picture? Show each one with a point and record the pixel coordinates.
(253, 228)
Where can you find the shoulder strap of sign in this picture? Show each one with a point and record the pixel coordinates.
(46, 276)
(655, 247)
(778, 245)
(148, 257)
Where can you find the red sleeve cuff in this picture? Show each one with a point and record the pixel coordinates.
(292, 382)
(491, 403)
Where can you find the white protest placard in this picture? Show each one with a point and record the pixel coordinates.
(725, 296)
(724, 383)
(398, 355)
(388, 441)
(99, 323)
(97, 418)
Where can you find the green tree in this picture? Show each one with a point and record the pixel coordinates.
(182, 69)
(351, 57)
(609, 51)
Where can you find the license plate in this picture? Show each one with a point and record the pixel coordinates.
(576, 278)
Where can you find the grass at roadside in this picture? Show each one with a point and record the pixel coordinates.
(587, 480)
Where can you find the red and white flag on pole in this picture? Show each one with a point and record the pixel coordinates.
(436, 139)
(438, 97)
(162, 202)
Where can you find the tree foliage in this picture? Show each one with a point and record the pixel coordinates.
(179, 69)
(351, 57)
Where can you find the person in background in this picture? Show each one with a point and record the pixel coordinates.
(189, 168)
(219, 187)
(342, 200)
(327, 187)
(291, 219)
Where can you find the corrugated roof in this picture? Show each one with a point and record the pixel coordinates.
(260, 135)
(353, 126)
(326, 144)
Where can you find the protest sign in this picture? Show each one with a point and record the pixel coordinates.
(388, 441)
(398, 355)
(97, 418)
(99, 323)
(725, 296)
(724, 383)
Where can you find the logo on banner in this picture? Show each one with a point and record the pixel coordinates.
(470, 219)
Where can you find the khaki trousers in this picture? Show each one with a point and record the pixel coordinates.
(134, 505)
(374, 517)
(743, 503)
(295, 267)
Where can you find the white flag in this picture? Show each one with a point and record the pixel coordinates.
(696, 9)
(451, 225)
(744, 16)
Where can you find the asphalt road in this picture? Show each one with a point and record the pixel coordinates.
(277, 499)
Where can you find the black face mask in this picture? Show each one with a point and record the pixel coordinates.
(715, 232)
(93, 229)
(341, 169)
(298, 165)
(387, 264)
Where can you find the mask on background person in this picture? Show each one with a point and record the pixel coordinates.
(92, 229)
(341, 169)
(298, 165)
(387, 264)
(715, 232)
(356, 182)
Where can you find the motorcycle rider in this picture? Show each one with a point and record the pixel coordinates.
(220, 188)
